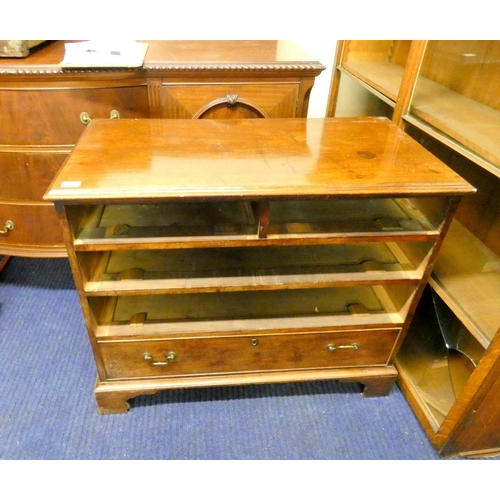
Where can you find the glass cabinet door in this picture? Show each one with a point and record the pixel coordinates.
(457, 98)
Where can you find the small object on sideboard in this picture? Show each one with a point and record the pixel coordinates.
(17, 48)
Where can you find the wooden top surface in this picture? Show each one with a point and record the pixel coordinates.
(281, 54)
(225, 51)
(163, 159)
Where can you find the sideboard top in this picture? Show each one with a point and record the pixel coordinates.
(164, 159)
(181, 55)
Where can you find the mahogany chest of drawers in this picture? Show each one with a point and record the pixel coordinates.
(249, 251)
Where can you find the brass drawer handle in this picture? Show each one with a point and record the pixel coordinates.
(9, 226)
(333, 347)
(85, 118)
(170, 357)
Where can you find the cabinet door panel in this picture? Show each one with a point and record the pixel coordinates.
(480, 432)
(230, 101)
(46, 116)
(26, 176)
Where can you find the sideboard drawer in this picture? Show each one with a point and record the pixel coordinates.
(26, 175)
(33, 225)
(246, 353)
(54, 116)
(231, 100)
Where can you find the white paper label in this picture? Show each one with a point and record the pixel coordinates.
(71, 184)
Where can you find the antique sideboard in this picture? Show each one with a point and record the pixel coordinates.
(45, 108)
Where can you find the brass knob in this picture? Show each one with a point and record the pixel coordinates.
(84, 118)
(9, 226)
(254, 342)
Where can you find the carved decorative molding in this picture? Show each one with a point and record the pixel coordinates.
(30, 71)
(316, 67)
(62, 71)
(234, 67)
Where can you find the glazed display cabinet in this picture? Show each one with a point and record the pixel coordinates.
(448, 100)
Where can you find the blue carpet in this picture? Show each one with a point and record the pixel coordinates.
(48, 410)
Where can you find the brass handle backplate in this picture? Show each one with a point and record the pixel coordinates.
(333, 347)
(170, 357)
(9, 226)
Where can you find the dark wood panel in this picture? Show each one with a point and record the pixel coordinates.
(272, 100)
(27, 175)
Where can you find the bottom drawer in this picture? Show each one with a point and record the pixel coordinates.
(36, 228)
(246, 353)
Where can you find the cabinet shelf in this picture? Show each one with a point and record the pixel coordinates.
(385, 78)
(378, 65)
(212, 223)
(253, 310)
(467, 276)
(233, 268)
(164, 220)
